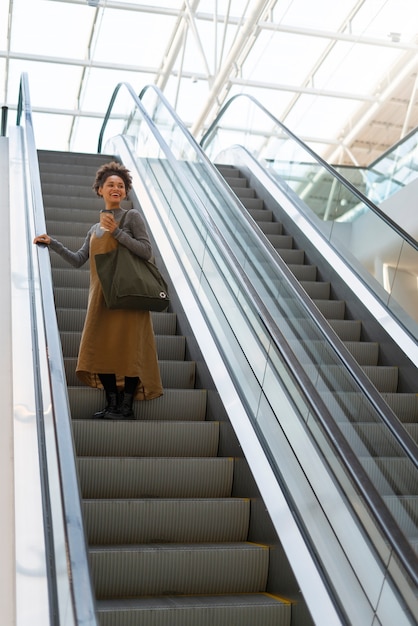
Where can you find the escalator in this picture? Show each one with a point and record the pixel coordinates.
(169, 524)
(291, 212)
(367, 339)
(258, 383)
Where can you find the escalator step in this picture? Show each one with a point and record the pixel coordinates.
(304, 272)
(404, 405)
(391, 475)
(174, 404)
(280, 242)
(331, 309)
(246, 610)
(385, 379)
(317, 290)
(353, 403)
(165, 520)
(178, 569)
(162, 477)
(145, 438)
(271, 228)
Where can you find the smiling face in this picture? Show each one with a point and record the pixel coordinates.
(113, 191)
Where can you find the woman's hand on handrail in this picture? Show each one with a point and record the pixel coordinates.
(42, 239)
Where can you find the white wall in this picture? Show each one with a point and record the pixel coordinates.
(402, 207)
(7, 517)
(393, 263)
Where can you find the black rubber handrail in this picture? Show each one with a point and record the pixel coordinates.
(108, 112)
(333, 172)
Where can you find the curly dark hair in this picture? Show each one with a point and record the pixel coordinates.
(112, 169)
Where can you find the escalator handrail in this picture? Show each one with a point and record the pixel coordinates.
(109, 110)
(330, 169)
(77, 557)
(378, 509)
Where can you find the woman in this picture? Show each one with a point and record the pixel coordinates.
(117, 349)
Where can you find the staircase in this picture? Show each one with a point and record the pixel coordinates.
(169, 532)
(398, 386)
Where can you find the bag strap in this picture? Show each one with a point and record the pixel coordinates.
(122, 219)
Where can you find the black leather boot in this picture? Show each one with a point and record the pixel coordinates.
(126, 406)
(111, 410)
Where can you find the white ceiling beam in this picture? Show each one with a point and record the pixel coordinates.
(9, 30)
(339, 36)
(126, 6)
(39, 58)
(302, 90)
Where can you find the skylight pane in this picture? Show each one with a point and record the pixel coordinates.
(101, 83)
(132, 38)
(352, 68)
(320, 14)
(282, 58)
(236, 8)
(4, 22)
(174, 5)
(381, 19)
(41, 27)
(86, 134)
(2, 85)
(320, 117)
(51, 131)
(275, 101)
(189, 101)
(51, 85)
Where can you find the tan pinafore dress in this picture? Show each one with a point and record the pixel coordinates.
(119, 341)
